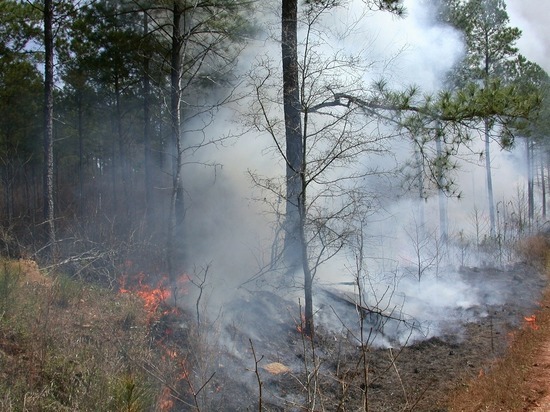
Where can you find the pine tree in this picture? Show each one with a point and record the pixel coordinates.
(490, 54)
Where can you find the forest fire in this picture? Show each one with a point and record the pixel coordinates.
(532, 322)
(166, 403)
(300, 325)
(155, 302)
(153, 296)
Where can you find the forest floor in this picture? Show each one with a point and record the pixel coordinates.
(519, 380)
(500, 360)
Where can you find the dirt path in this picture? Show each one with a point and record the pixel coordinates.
(542, 382)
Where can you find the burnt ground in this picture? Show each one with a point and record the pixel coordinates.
(262, 347)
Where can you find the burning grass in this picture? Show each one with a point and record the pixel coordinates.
(69, 346)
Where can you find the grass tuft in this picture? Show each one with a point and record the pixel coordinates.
(535, 250)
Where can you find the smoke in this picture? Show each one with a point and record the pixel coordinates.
(530, 17)
(230, 230)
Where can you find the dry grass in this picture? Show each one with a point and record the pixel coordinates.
(68, 346)
(534, 250)
(517, 381)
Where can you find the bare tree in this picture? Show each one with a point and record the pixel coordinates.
(201, 41)
(427, 247)
(321, 135)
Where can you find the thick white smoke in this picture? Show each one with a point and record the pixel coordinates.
(231, 231)
(532, 19)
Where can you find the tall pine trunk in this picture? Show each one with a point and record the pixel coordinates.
(295, 238)
(48, 129)
(443, 230)
(530, 182)
(147, 131)
(175, 122)
(489, 178)
(543, 185)
(80, 114)
(293, 130)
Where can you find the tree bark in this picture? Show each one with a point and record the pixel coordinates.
(530, 182)
(175, 120)
(80, 114)
(147, 130)
(48, 128)
(443, 230)
(543, 185)
(295, 237)
(489, 178)
(293, 131)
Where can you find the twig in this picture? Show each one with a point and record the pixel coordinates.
(260, 383)
(392, 360)
(196, 394)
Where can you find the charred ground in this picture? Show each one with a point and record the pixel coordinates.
(71, 346)
(330, 373)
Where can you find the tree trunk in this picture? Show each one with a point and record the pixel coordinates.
(79, 102)
(175, 121)
(295, 238)
(421, 195)
(543, 185)
(489, 176)
(530, 182)
(121, 162)
(443, 230)
(8, 192)
(293, 130)
(147, 131)
(48, 128)
(114, 191)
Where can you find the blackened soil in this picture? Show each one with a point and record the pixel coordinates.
(335, 373)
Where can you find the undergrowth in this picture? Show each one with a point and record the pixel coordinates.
(515, 382)
(69, 346)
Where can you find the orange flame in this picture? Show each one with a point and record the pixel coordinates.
(532, 321)
(184, 375)
(301, 326)
(166, 403)
(153, 298)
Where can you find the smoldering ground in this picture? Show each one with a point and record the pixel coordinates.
(230, 231)
(411, 290)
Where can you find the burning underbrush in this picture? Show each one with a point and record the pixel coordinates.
(70, 346)
(150, 347)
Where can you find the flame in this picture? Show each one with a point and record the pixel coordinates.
(172, 354)
(301, 326)
(184, 374)
(165, 402)
(154, 298)
(532, 321)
